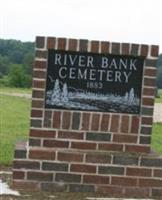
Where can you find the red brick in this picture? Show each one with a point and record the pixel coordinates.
(148, 101)
(137, 192)
(51, 42)
(42, 154)
(149, 91)
(21, 145)
(40, 41)
(36, 123)
(110, 147)
(56, 143)
(135, 124)
(105, 47)
(125, 124)
(41, 54)
(42, 133)
(40, 176)
(61, 43)
(38, 94)
(95, 122)
(83, 168)
(39, 84)
(124, 181)
(154, 50)
(66, 120)
(20, 153)
(137, 149)
(70, 157)
(56, 119)
(132, 171)
(66, 177)
(47, 118)
(150, 72)
(150, 82)
(134, 49)
(150, 182)
(105, 122)
(70, 135)
(34, 142)
(115, 48)
(19, 164)
(40, 64)
(125, 48)
(96, 179)
(94, 46)
(72, 44)
(18, 175)
(37, 103)
(39, 74)
(83, 45)
(98, 158)
(158, 173)
(114, 123)
(85, 121)
(147, 120)
(83, 145)
(76, 120)
(36, 113)
(26, 185)
(144, 50)
(121, 138)
(110, 190)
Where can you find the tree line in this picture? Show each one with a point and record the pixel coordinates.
(16, 62)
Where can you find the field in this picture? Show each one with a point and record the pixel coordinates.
(14, 124)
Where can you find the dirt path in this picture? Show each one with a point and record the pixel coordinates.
(28, 96)
(158, 112)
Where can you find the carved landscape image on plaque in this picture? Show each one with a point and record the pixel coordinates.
(94, 82)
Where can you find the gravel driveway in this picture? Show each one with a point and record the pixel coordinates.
(158, 112)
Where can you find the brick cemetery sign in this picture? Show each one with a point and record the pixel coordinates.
(91, 120)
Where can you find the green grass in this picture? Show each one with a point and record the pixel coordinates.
(14, 125)
(159, 100)
(157, 138)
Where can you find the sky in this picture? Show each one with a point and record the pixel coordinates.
(134, 21)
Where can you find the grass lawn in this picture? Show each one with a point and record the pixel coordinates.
(14, 124)
(157, 138)
(15, 90)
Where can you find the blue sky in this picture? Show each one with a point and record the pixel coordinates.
(136, 21)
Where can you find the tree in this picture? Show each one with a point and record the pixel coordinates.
(4, 65)
(159, 74)
(28, 62)
(131, 96)
(56, 93)
(17, 77)
(64, 95)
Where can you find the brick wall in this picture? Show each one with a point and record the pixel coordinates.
(88, 151)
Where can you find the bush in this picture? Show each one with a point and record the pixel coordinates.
(4, 81)
(18, 77)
